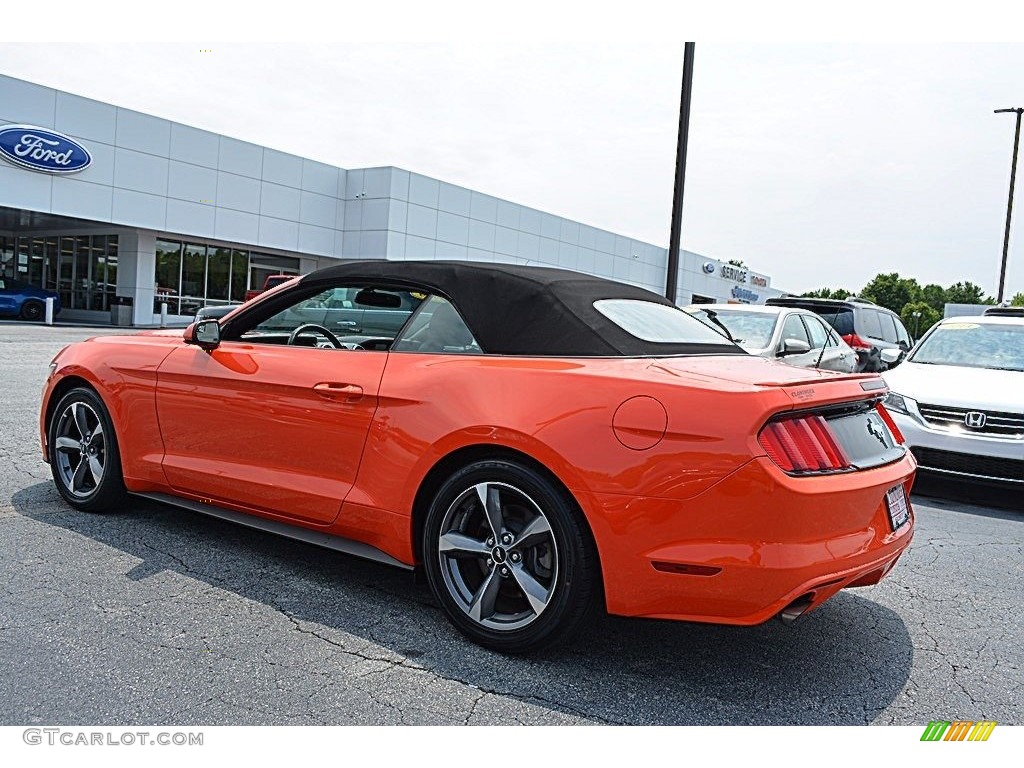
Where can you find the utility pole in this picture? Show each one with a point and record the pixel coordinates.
(672, 270)
(1009, 203)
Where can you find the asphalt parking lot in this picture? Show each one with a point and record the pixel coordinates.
(158, 616)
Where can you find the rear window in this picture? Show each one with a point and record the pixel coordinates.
(659, 323)
(841, 319)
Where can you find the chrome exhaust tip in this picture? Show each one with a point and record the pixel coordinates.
(796, 609)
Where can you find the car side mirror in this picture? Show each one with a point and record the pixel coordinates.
(891, 356)
(205, 334)
(794, 347)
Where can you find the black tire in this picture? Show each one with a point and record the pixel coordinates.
(559, 559)
(32, 310)
(96, 443)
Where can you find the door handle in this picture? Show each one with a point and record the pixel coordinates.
(336, 391)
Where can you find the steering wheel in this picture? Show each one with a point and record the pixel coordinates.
(319, 329)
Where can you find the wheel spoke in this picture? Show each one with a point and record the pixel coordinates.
(79, 477)
(68, 444)
(535, 592)
(78, 412)
(97, 435)
(95, 469)
(534, 533)
(491, 502)
(460, 545)
(482, 606)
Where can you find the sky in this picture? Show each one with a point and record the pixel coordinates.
(820, 165)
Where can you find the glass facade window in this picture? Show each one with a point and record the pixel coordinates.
(8, 258)
(110, 287)
(168, 275)
(81, 269)
(51, 264)
(193, 279)
(239, 275)
(191, 275)
(218, 275)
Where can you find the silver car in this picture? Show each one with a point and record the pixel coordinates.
(794, 336)
(959, 399)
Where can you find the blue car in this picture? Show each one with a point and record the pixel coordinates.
(22, 300)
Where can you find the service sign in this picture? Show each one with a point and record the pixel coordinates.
(40, 149)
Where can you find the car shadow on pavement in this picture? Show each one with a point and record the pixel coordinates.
(841, 665)
(971, 498)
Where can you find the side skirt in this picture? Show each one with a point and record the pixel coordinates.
(317, 538)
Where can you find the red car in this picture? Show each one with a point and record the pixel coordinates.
(540, 442)
(272, 281)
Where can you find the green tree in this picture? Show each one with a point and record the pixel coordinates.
(935, 297)
(918, 325)
(738, 263)
(967, 293)
(828, 293)
(1017, 301)
(892, 291)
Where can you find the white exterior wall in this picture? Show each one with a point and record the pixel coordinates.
(404, 215)
(152, 177)
(155, 174)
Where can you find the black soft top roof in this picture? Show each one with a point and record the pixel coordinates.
(516, 310)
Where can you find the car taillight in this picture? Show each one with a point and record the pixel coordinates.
(891, 424)
(857, 342)
(803, 444)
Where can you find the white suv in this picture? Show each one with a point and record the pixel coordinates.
(959, 398)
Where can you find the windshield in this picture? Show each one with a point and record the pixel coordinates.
(748, 329)
(974, 345)
(657, 322)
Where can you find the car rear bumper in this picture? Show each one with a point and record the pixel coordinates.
(963, 455)
(750, 546)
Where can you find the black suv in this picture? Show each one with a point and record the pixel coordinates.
(864, 325)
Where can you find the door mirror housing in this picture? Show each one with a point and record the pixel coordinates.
(205, 334)
(794, 347)
(891, 356)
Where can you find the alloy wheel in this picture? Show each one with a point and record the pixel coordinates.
(498, 556)
(79, 450)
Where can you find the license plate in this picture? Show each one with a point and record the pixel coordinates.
(899, 509)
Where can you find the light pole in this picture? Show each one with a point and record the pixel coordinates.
(1009, 204)
(672, 266)
(917, 322)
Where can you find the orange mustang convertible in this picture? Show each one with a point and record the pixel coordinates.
(540, 442)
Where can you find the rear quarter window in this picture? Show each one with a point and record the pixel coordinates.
(888, 327)
(869, 323)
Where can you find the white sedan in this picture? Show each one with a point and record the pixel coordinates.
(794, 336)
(959, 399)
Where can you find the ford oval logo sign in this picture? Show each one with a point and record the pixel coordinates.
(40, 149)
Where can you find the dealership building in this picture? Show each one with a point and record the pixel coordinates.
(121, 212)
